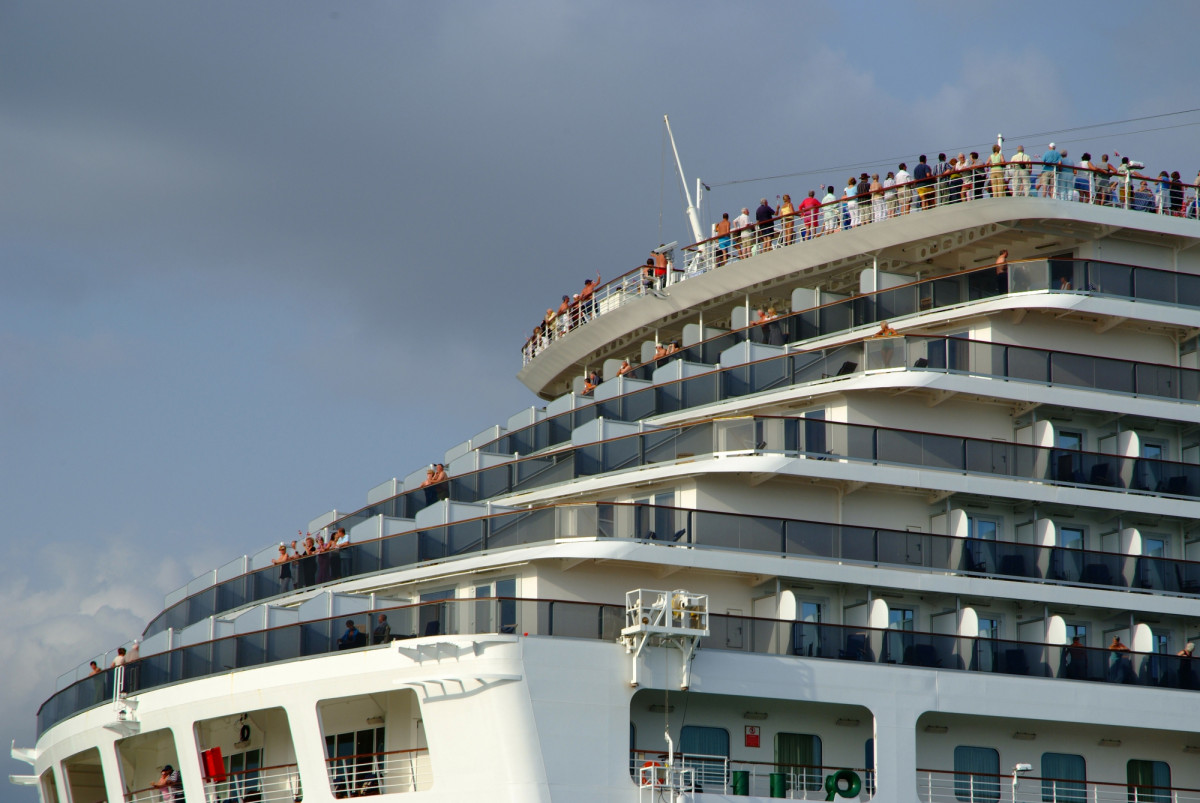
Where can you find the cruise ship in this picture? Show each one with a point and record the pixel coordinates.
(896, 502)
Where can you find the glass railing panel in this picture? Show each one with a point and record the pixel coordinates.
(895, 303)
(891, 446)
(988, 457)
(1019, 560)
(932, 650)
(737, 532)
(1156, 380)
(895, 548)
(465, 537)
(1115, 376)
(1027, 364)
(659, 446)
(835, 318)
(585, 415)
(1023, 658)
(1072, 369)
(810, 538)
(1155, 285)
(1155, 574)
(1024, 277)
(670, 397)
(432, 544)
(808, 367)
(197, 661)
(400, 550)
(251, 649)
(639, 404)
(768, 374)
(1110, 279)
(317, 638)
(737, 381)
(1103, 469)
(864, 544)
(525, 528)
(233, 592)
(542, 471)
(618, 454)
(494, 481)
(202, 605)
(574, 620)
(1188, 289)
(700, 390)
(1066, 274)
(806, 325)
(887, 352)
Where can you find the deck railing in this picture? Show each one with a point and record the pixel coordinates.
(808, 437)
(945, 786)
(277, 784)
(369, 774)
(586, 620)
(720, 775)
(1073, 185)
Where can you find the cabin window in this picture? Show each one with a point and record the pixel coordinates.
(976, 774)
(705, 750)
(244, 778)
(436, 620)
(1149, 781)
(799, 755)
(353, 760)
(496, 607)
(1064, 778)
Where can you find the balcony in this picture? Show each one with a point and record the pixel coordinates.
(597, 621)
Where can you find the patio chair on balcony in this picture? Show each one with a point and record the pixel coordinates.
(922, 655)
(858, 648)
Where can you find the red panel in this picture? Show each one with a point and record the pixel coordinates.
(214, 764)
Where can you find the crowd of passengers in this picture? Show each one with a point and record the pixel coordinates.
(310, 560)
(867, 198)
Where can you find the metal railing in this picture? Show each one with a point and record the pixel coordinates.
(718, 774)
(806, 437)
(945, 786)
(368, 774)
(588, 620)
(1069, 185)
(277, 784)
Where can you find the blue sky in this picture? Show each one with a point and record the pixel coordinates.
(258, 258)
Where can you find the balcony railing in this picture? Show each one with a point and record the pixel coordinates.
(587, 620)
(278, 784)
(802, 437)
(796, 231)
(722, 775)
(369, 774)
(945, 786)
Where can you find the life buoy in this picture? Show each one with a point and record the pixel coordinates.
(654, 777)
(245, 733)
(833, 784)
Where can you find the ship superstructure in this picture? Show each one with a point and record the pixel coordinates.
(926, 533)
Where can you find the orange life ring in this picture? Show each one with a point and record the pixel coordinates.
(655, 778)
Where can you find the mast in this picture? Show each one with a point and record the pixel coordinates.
(693, 214)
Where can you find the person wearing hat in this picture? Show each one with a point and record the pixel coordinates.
(168, 782)
(1051, 159)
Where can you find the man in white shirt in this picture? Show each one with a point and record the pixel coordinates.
(830, 212)
(903, 190)
(743, 226)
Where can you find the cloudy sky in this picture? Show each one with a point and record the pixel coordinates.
(256, 258)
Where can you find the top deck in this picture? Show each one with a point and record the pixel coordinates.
(829, 242)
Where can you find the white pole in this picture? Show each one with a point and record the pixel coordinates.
(692, 214)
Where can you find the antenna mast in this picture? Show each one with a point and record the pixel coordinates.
(692, 214)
